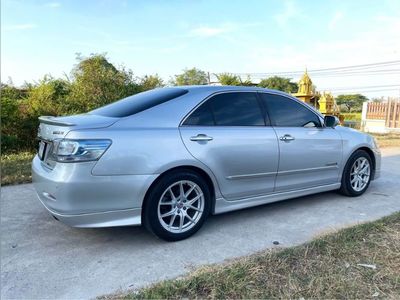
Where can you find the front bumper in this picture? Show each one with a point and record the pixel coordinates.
(377, 155)
(74, 196)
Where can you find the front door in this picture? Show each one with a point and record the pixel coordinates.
(228, 134)
(310, 154)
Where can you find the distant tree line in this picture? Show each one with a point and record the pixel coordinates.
(93, 82)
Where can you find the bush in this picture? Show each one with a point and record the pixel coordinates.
(94, 82)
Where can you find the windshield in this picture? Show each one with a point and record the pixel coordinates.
(138, 102)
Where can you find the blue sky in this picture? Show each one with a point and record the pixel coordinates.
(39, 37)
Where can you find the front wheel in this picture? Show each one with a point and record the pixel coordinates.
(356, 174)
(177, 205)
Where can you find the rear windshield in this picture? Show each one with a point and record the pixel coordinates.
(139, 102)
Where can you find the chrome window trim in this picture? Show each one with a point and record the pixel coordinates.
(321, 119)
(218, 93)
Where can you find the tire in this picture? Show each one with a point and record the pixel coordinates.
(164, 211)
(357, 174)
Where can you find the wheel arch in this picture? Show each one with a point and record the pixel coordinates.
(191, 168)
(371, 155)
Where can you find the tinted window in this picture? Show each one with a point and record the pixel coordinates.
(228, 109)
(286, 112)
(236, 109)
(201, 116)
(139, 102)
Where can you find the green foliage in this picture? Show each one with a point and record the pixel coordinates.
(97, 82)
(48, 97)
(279, 83)
(10, 92)
(353, 102)
(191, 77)
(247, 82)
(228, 79)
(9, 106)
(94, 82)
(352, 116)
(149, 82)
(11, 117)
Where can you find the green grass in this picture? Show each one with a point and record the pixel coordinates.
(16, 168)
(326, 268)
(388, 139)
(352, 116)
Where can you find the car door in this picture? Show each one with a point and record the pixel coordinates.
(227, 133)
(310, 153)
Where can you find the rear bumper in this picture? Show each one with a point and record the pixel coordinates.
(101, 219)
(75, 197)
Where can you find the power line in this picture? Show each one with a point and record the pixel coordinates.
(325, 71)
(365, 91)
(362, 87)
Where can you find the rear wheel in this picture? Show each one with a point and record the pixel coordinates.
(177, 205)
(357, 174)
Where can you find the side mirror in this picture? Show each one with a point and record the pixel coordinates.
(331, 121)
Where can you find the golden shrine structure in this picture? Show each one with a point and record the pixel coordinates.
(324, 102)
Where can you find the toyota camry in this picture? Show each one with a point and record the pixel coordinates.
(169, 157)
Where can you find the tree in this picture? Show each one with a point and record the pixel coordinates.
(191, 77)
(279, 83)
(97, 82)
(12, 118)
(353, 102)
(149, 82)
(247, 82)
(228, 79)
(48, 96)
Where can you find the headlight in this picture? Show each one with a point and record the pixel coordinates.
(78, 150)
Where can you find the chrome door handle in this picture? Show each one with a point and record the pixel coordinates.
(287, 138)
(201, 138)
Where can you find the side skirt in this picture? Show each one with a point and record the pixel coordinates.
(222, 205)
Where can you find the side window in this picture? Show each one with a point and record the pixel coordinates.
(201, 116)
(285, 112)
(228, 109)
(236, 109)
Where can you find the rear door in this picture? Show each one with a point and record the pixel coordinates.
(228, 134)
(310, 154)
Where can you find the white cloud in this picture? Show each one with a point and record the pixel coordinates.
(376, 44)
(290, 11)
(336, 18)
(207, 31)
(53, 4)
(19, 27)
(220, 30)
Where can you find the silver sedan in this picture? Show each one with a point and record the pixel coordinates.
(169, 157)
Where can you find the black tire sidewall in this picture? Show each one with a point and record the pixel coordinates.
(150, 215)
(346, 175)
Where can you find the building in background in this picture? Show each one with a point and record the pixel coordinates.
(381, 117)
(324, 102)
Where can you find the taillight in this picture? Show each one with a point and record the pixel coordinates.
(67, 150)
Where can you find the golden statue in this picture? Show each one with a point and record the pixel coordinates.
(324, 102)
(305, 92)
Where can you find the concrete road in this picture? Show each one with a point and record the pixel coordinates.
(42, 258)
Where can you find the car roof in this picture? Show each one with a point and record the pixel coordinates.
(220, 88)
(216, 88)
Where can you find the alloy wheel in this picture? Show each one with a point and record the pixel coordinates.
(181, 206)
(360, 174)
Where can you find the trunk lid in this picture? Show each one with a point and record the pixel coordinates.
(51, 128)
